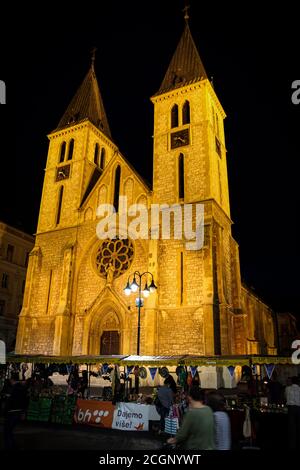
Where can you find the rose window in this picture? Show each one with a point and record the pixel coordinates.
(115, 253)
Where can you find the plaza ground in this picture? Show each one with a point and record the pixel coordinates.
(37, 436)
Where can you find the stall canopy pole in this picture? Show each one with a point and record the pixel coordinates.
(89, 375)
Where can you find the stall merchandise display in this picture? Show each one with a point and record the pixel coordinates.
(39, 409)
(63, 408)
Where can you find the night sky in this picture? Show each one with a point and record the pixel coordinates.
(253, 57)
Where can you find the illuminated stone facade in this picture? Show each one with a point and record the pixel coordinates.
(200, 306)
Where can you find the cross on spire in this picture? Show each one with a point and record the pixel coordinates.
(186, 12)
(93, 56)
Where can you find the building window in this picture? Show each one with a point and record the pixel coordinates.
(71, 149)
(2, 307)
(102, 159)
(26, 259)
(218, 147)
(62, 152)
(186, 113)
(4, 282)
(10, 253)
(59, 206)
(96, 155)
(174, 116)
(181, 176)
(117, 188)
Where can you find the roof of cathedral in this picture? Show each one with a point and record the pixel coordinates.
(92, 183)
(185, 67)
(97, 174)
(86, 104)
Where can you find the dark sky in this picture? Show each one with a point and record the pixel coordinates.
(253, 57)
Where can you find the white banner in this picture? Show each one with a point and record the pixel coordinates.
(131, 417)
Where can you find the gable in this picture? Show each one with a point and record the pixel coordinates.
(131, 185)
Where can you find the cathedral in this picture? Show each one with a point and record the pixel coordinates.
(74, 301)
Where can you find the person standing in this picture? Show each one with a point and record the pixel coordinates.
(292, 395)
(172, 384)
(216, 401)
(165, 401)
(15, 406)
(197, 429)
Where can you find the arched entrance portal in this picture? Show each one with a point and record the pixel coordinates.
(110, 343)
(105, 336)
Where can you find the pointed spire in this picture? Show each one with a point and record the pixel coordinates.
(186, 66)
(87, 104)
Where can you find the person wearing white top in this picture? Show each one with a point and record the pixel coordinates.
(292, 395)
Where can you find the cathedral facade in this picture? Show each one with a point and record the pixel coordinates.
(74, 302)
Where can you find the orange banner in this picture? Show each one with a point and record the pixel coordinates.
(94, 413)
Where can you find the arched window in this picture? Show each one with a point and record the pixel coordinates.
(62, 152)
(181, 176)
(71, 149)
(186, 113)
(102, 159)
(117, 187)
(174, 116)
(96, 155)
(59, 206)
(217, 124)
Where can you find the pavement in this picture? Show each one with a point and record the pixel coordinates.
(45, 436)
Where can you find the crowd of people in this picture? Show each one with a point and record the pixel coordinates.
(205, 425)
(204, 422)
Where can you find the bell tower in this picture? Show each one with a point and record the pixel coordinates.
(189, 166)
(79, 150)
(189, 143)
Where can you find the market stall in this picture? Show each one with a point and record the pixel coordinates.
(242, 379)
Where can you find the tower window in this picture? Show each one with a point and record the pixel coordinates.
(181, 176)
(4, 282)
(117, 188)
(23, 286)
(96, 155)
(26, 259)
(62, 152)
(102, 159)
(60, 199)
(71, 149)
(186, 113)
(10, 253)
(174, 116)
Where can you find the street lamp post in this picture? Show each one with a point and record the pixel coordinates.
(136, 286)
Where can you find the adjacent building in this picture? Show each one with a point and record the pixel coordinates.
(288, 332)
(15, 246)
